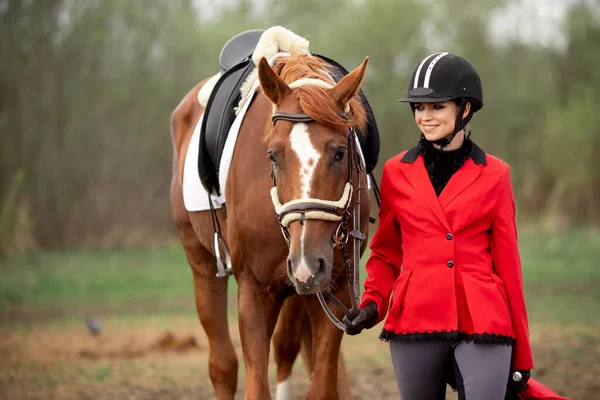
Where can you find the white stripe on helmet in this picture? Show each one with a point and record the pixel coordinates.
(430, 68)
(416, 82)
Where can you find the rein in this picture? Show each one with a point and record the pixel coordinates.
(340, 210)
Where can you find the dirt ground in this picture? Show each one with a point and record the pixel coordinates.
(165, 357)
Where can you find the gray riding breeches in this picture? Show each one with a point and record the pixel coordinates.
(482, 369)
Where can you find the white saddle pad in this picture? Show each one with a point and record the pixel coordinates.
(195, 196)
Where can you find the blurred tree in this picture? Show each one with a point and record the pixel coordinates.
(89, 93)
(571, 147)
(86, 90)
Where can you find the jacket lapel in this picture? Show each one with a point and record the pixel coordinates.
(461, 179)
(417, 175)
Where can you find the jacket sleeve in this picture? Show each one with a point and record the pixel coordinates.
(507, 265)
(385, 261)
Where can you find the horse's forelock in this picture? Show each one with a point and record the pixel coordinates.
(317, 102)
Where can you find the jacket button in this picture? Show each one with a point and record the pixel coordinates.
(450, 264)
(449, 236)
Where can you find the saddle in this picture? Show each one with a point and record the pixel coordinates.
(219, 114)
(236, 64)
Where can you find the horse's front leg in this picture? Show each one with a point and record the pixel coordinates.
(257, 318)
(327, 339)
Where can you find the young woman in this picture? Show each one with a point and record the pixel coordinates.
(444, 262)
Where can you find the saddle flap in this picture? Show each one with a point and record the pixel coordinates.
(219, 115)
(239, 47)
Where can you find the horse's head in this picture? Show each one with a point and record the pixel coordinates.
(312, 151)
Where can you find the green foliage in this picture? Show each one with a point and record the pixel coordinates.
(570, 154)
(87, 88)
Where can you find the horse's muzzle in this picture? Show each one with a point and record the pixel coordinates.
(309, 276)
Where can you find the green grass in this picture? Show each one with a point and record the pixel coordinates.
(561, 275)
(103, 279)
(565, 260)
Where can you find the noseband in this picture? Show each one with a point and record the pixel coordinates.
(329, 210)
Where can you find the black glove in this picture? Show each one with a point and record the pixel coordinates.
(515, 387)
(363, 318)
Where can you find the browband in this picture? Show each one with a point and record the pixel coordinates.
(292, 117)
(297, 117)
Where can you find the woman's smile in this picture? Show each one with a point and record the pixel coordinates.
(429, 128)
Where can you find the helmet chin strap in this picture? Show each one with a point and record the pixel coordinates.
(459, 125)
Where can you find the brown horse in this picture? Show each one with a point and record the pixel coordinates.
(310, 161)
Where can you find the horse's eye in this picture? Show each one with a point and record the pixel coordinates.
(339, 155)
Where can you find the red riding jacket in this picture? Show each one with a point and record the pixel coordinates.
(451, 264)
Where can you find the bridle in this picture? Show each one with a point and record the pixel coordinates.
(328, 210)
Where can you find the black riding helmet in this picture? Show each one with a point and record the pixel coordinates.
(441, 77)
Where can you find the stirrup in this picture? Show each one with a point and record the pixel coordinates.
(223, 268)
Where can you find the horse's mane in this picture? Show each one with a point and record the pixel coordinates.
(315, 101)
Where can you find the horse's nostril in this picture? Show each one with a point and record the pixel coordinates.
(289, 267)
(321, 265)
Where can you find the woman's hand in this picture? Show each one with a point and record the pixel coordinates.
(364, 318)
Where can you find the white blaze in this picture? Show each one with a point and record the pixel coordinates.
(307, 154)
(309, 157)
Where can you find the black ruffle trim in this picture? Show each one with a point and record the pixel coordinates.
(479, 338)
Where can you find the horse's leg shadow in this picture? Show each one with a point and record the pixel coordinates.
(287, 340)
(211, 304)
(293, 335)
(257, 317)
(330, 379)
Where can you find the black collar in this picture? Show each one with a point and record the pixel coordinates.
(477, 155)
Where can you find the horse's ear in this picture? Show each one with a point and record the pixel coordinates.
(272, 85)
(348, 86)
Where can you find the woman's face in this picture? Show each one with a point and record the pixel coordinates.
(436, 120)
